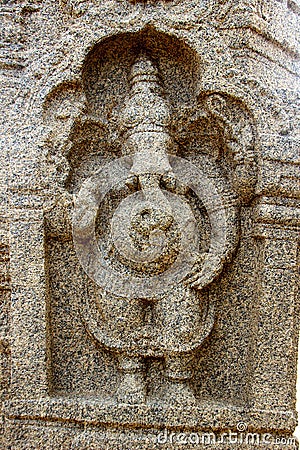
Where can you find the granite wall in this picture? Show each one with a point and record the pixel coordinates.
(149, 232)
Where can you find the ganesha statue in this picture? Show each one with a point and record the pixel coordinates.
(153, 262)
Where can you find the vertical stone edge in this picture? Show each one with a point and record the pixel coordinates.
(277, 310)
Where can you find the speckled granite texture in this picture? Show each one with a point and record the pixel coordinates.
(149, 224)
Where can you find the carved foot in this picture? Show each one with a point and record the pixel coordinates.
(132, 388)
(177, 390)
(178, 393)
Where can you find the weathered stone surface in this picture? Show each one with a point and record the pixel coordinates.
(149, 235)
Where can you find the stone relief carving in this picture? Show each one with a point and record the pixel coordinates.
(152, 229)
(237, 133)
(149, 267)
(173, 307)
(239, 140)
(61, 110)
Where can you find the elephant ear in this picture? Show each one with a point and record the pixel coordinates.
(74, 141)
(61, 109)
(237, 124)
(218, 133)
(222, 128)
(195, 131)
(239, 141)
